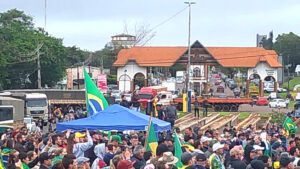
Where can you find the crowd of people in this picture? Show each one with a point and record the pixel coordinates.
(201, 149)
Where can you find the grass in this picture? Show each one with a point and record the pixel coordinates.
(181, 114)
(265, 115)
(293, 82)
(243, 115)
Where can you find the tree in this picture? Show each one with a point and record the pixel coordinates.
(19, 40)
(288, 45)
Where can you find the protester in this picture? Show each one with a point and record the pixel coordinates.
(124, 102)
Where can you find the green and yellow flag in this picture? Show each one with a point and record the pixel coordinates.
(290, 126)
(178, 151)
(151, 143)
(95, 101)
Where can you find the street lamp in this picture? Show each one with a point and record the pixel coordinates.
(125, 79)
(189, 55)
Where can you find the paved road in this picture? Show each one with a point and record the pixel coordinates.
(246, 107)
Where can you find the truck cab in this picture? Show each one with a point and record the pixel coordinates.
(36, 105)
(165, 98)
(148, 93)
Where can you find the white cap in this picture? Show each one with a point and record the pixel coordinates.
(217, 146)
(258, 148)
(204, 139)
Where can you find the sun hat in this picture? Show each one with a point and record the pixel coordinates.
(168, 158)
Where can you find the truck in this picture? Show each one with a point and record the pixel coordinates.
(35, 104)
(180, 76)
(219, 104)
(170, 85)
(11, 112)
(66, 100)
(147, 93)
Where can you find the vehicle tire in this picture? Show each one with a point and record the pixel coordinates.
(226, 108)
(218, 108)
(234, 108)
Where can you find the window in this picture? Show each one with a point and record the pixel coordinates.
(6, 113)
(196, 72)
(37, 103)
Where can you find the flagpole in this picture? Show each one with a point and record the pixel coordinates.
(86, 97)
(147, 132)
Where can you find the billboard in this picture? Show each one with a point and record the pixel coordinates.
(102, 83)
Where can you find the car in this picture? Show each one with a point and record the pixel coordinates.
(30, 124)
(115, 93)
(222, 95)
(297, 105)
(281, 90)
(262, 101)
(269, 87)
(273, 95)
(277, 103)
(220, 89)
(218, 82)
(128, 96)
(232, 85)
(297, 114)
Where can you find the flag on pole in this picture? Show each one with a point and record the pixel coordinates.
(151, 143)
(95, 101)
(178, 151)
(290, 126)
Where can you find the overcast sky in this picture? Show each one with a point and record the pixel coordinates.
(89, 24)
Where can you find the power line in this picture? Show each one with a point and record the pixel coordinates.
(168, 19)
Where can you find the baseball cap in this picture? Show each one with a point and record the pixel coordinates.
(125, 164)
(79, 135)
(284, 161)
(201, 157)
(44, 156)
(82, 160)
(217, 146)
(204, 139)
(116, 138)
(186, 157)
(258, 164)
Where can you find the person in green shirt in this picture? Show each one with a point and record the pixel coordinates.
(216, 159)
(24, 159)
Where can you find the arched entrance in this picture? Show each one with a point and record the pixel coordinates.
(254, 86)
(124, 83)
(270, 84)
(139, 81)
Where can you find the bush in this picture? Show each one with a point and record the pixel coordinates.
(293, 82)
(111, 79)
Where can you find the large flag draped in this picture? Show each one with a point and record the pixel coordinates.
(95, 101)
(178, 151)
(290, 126)
(151, 143)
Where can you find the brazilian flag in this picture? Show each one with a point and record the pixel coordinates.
(95, 101)
(151, 143)
(290, 126)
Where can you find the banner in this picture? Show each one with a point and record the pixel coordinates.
(102, 83)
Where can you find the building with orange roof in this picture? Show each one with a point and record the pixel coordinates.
(142, 61)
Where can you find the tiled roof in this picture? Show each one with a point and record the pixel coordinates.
(243, 56)
(226, 56)
(150, 56)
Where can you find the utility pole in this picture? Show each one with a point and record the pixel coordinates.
(39, 66)
(45, 15)
(189, 54)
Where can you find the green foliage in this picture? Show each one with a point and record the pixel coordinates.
(140, 81)
(111, 79)
(105, 57)
(75, 55)
(19, 43)
(293, 82)
(288, 45)
(176, 67)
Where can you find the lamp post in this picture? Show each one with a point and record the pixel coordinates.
(189, 56)
(125, 79)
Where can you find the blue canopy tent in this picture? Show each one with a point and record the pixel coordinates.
(115, 117)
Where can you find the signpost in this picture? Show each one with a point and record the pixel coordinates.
(102, 83)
